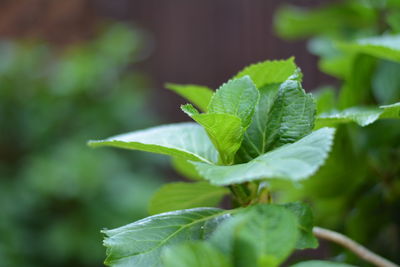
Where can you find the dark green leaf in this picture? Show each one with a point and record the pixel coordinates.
(305, 225)
(185, 168)
(262, 235)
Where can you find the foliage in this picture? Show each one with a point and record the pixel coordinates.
(257, 129)
(54, 193)
(358, 42)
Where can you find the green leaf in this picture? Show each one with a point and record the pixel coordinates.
(185, 168)
(304, 158)
(291, 117)
(185, 140)
(224, 130)
(194, 254)
(320, 264)
(386, 82)
(363, 116)
(140, 243)
(196, 94)
(305, 225)
(178, 196)
(262, 235)
(269, 72)
(385, 47)
(278, 120)
(237, 97)
(254, 138)
(325, 98)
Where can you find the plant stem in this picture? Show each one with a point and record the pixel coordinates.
(353, 246)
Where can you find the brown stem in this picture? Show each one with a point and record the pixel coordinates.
(353, 246)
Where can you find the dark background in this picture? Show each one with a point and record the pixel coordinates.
(200, 42)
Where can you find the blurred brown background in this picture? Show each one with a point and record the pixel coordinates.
(200, 42)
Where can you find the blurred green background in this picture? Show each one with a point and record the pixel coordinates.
(56, 194)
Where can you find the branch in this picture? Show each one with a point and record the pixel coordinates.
(353, 246)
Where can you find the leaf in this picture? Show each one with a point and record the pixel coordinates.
(320, 264)
(196, 94)
(225, 131)
(237, 97)
(194, 254)
(269, 72)
(384, 46)
(185, 168)
(177, 196)
(140, 243)
(363, 116)
(279, 119)
(262, 235)
(292, 161)
(291, 117)
(386, 82)
(305, 225)
(185, 140)
(254, 138)
(325, 99)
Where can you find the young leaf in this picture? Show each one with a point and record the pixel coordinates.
(363, 116)
(194, 254)
(224, 130)
(178, 196)
(185, 140)
(185, 168)
(294, 162)
(279, 119)
(262, 235)
(196, 94)
(237, 97)
(305, 225)
(269, 72)
(140, 243)
(291, 116)
(320, 264)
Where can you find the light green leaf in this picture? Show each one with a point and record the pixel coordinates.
(185, 140)
(196, 94)
(140, 243)
(363, 116)
(237, 97)
(294, 162)
(185, 168)
(179, 196)
(225, 131)
(262, 235)
(269, 72)
(279, 119)
(385, 47)
(391, 111)
(194, 254)
(320, 264)
(305, 225)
